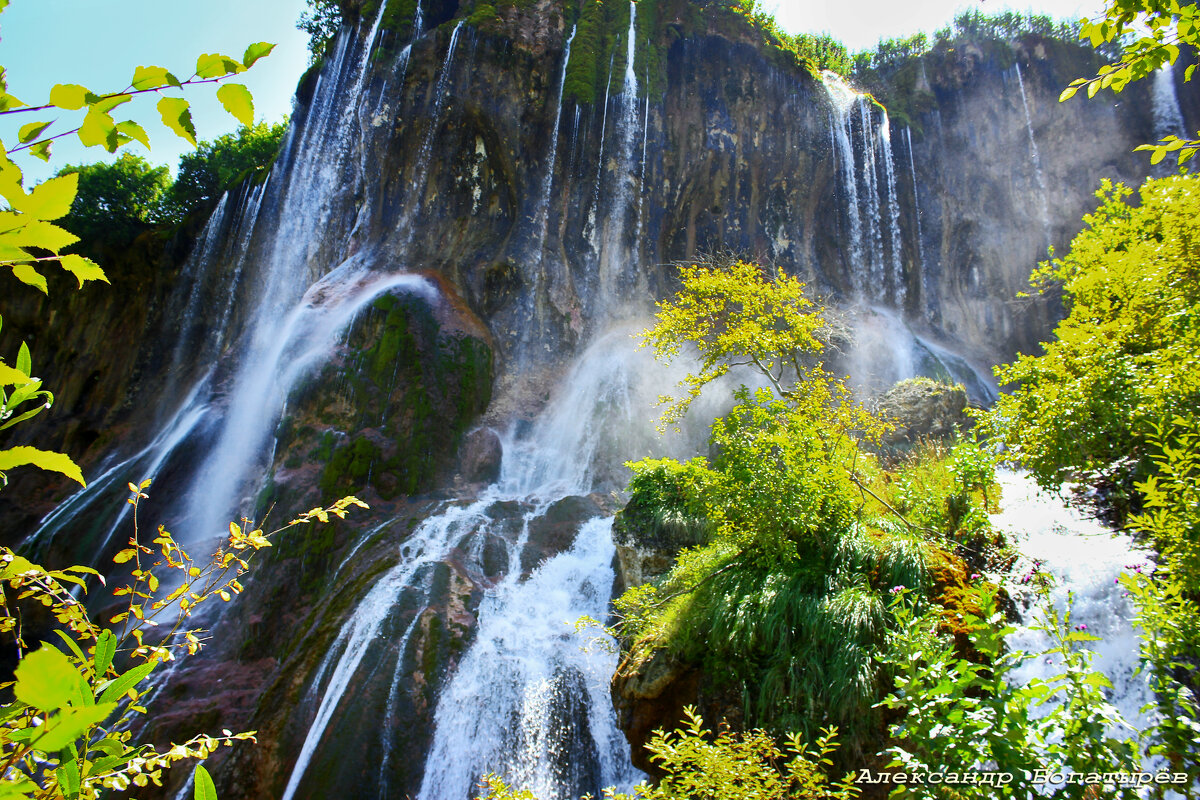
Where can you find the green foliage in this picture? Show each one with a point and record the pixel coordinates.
(974, 26)
(321, 21)
(65, 732)
(737, 314)
(958, 713)
(219, 165)
(1126, 356)
(945, 491)
(115, 201)
(1150, 34)
(1170, 650)
(727, 765)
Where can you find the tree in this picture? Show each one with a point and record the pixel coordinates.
(1150, 33)
(115, 202)
(220, 164)
(1125, 359)
(321, 21)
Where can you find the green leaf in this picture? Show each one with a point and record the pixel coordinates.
(24, 360)
(70, 96)
(204, 788)
(98, 129)
(256, 51)
(68, 778)
(51, 199)
(42, 459)
(238, 102)
(177, 116)
(84, 269)
(108, 103)
(152, 78)
(21, 788)
(1067, 94)
(68, 725)
(124, 683)
(74, 647)
(30, 276)
(32, 131)
(106, 648)
(39, 233)
(12, 377)
(47, 679)
(134, 131)
(214, 65)
(41, 150)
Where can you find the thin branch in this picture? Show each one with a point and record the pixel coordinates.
(697, 585)
(913, 526)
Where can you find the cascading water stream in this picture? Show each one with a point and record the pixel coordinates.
(615, 256)
(543, 207)
(503, 708)
(1168, 118)
(1035, 158)
(1052, 536)
(926, 290)
(875, 259)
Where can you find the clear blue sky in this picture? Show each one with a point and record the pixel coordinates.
(97, 43)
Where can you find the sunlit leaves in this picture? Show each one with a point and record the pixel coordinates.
(204, 788)
(256, 51)
(152, 78)
(177, 115)
(32, 131)
(237, 101)
(1150, 34)
(215, 65)
(43, 459)
(68, 96)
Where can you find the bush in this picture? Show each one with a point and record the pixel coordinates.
(1127, 356)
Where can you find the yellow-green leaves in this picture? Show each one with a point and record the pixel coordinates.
(256, 51)
(152, 78)
(238, 102)
(177, 115)
(47, 679)
(203, 784)
(736, 315)
(43, 459)
(215, 65)
(69, 96)
(32, 131)
(49, 200)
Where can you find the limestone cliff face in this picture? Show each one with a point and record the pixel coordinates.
(538, 218)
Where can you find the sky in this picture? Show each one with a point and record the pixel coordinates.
(97, 43)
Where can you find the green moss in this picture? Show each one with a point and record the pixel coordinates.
(483, 14)
(349, 467)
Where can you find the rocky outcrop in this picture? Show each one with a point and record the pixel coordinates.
(921, 408)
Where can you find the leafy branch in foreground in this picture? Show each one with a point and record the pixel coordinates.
(29, 239)
(1151, 33)
(66, 732)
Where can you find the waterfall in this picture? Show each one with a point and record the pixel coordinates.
(417, 185)
(926, 290)
(525, 700)
(875, 259)
(1035, 158)
(1168, 118)
(898, 285)
(594, 208)
(543, 208)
